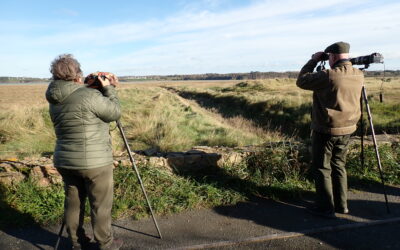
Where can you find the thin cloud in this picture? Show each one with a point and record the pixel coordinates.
(266, 35)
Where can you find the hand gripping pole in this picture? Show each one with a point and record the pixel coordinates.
(138, 175)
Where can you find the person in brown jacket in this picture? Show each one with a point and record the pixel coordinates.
(335, 113)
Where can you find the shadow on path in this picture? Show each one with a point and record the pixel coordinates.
(372, 186)
(22, 226)
(291, 217)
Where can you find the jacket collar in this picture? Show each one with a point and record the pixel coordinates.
(59, 90)
(342, 62)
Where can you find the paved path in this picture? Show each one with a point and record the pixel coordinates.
(257, 224)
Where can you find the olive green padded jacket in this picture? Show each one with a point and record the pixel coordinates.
(336, 96)
(81, 118)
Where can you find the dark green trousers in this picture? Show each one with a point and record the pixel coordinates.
(97, 185)
(328, 161)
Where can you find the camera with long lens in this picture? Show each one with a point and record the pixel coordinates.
(361, 60)
(367, 60)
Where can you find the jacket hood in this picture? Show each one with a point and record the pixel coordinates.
(59, 90)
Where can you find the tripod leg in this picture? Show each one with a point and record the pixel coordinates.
(364, 94)
(59, 235)
(138, 175)
(362, 134)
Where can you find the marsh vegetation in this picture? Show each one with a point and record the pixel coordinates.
(175, 116)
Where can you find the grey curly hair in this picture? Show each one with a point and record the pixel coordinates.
(65, 67)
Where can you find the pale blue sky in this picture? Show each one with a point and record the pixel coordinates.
(188, 37)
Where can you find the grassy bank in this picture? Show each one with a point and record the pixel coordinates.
(280, 171)
(157, 118)
(278, 105)
(175, 117)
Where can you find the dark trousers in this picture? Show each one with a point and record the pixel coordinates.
(97, 185)
(328, 161)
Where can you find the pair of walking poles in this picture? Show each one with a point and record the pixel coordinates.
(119, 125)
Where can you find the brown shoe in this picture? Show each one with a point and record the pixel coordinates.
(327, 213)
(342, 210)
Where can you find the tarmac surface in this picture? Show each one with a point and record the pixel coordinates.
(256, 224)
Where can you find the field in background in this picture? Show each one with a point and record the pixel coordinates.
(174, 116)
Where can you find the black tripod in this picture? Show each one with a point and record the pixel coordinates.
(365, 98)
(139, 179)
(138, 175)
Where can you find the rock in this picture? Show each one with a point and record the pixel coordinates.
(45, 175)
(11, 178)
(174, 154)
(158, 162)
(176, 161)
(44, 182)
(20, 167)
(55, 179)
(192, 159)
(150, 152)
(37, 173)
(118, 153)
(204, 149)
(211, 159)
(232, 158)
(7, 168)
(50, 170)
(43, 159)
(194, 151)
(125, 162)
(192, 162)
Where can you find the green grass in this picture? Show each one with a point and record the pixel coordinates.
(385, 117)
(272, 103)
(26, 132)
(248, 113)
(280, 171)
(156, 118)
(27, 203)
(390, 161)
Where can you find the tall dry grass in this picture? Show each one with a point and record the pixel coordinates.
(26, 131)
(155, 117)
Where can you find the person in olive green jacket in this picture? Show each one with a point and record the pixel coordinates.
(83, 153)
(335, 113)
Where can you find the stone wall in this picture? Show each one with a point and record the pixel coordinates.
(42, 170)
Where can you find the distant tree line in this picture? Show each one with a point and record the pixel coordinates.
(253, 75)
(387, 73)
(9, 79)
